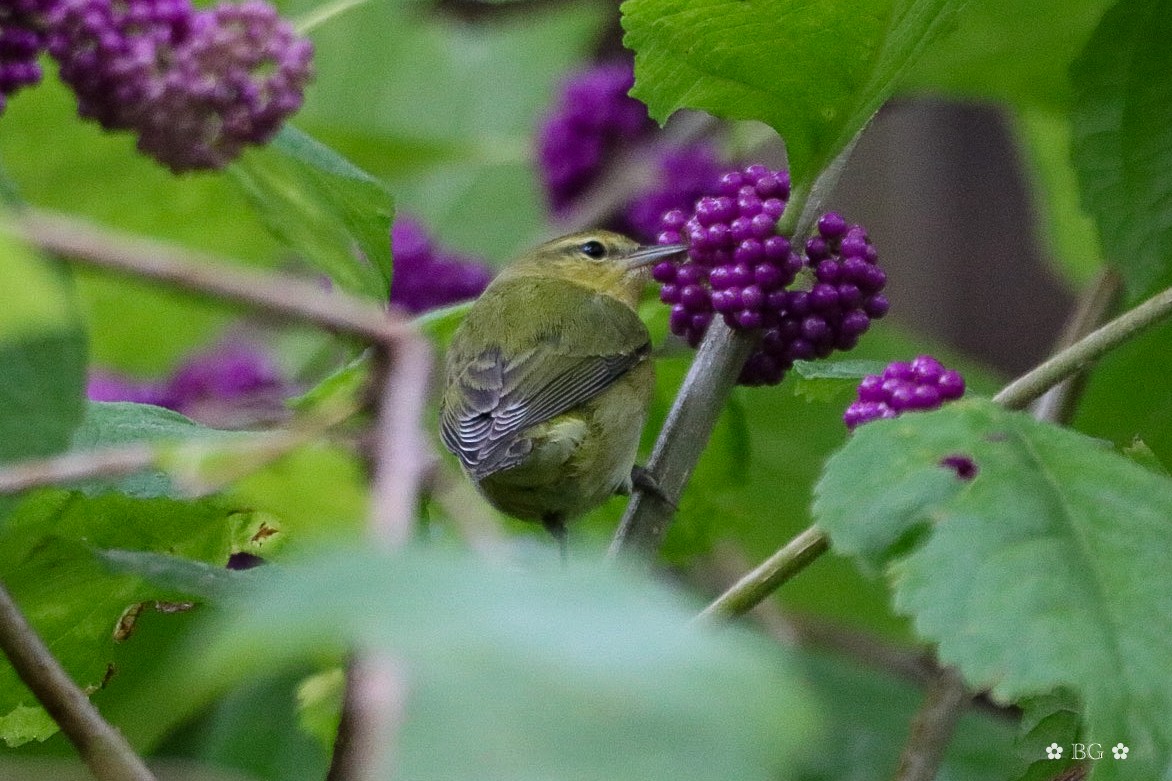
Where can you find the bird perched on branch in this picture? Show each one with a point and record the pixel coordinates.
(549, 378)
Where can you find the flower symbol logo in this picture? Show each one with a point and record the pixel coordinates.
(1120, 751)
(1054, 751)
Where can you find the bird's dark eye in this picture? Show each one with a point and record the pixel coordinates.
(594, 250)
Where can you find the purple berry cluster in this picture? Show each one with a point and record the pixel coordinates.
(683, 174)
(196, 85)
(233, 372)
(739, 267)
(919, 385)
(592, 117)
(427, 276)
(22, 39)
(735, 259)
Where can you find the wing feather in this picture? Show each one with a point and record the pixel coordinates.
(490, 399)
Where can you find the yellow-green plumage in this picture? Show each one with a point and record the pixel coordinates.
(549, 379)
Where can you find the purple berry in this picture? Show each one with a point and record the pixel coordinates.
(832, 226)
(950, 385)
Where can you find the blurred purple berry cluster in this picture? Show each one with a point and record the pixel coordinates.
(22, 39)
(922, 384)
(683, 174)
(739, 267)
(428, 276)
(592, 117)
(196, 85)
(233, 372)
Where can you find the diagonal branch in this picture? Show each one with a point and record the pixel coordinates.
(286, 295)
(399, 388)
(103, 749)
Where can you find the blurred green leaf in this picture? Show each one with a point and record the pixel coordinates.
(135, 327)
(42, 355)
(444, 110)
(871, 710)
(42, 358)
(569, 673)
(325, 209)
(1016, 51)
(1046, 569)
(317, 491)
(1068, 231)
(253, 729)
(1122, 119)
(108, 424)
(836, 65)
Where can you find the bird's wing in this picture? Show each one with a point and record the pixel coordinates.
(491, 398)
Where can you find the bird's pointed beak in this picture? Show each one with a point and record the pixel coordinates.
(645, 256)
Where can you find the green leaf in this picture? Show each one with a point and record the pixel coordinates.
(1009, 50)
(108, 424)
(317, 491)
(814, 71)
(47, 555)
(568, 673)
(324, 208)
(1122, 118)
(831, 380)
(1046, 569)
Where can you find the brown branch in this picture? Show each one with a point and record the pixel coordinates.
(932, 728)
(71, 467)
(281, 294)
(103, 749)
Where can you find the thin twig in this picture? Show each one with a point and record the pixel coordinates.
(281, 294)
(767, 577)
(375, 696)
(71, 467)
(1057, 404)
(374, 707)
(401, 449)
(103, 749)
(1082, 353)
(932, 728)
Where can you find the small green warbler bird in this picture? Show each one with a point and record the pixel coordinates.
(549, 378)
